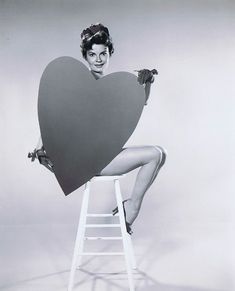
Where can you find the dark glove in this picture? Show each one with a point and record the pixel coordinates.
(33, 155)
(42, 158)
(146, 75)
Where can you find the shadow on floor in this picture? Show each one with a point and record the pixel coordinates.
(143, 282)
(111, 281)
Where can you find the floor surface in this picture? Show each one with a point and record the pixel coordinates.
(38, 258)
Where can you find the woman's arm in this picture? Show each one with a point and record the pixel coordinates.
(147, 89)
(146, 78)
(40, 154)
(39, 144)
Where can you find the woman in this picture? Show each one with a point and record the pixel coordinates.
(97, 48)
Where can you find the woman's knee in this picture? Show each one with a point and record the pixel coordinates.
(163, 154)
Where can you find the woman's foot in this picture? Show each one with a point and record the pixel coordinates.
(128, 225)
(132, 210)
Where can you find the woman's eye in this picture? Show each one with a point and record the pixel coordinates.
(91, 54)
(104, 53)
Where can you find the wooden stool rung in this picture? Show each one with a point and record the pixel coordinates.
(102, 225)
(102, 254)
(103, 238)
(101, 215)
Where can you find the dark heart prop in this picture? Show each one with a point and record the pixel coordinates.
(85, 122)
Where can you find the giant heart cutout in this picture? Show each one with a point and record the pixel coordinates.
(85, 122)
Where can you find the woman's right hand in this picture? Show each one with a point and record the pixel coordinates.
(42, 157)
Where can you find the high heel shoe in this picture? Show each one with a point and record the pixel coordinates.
(128, 225)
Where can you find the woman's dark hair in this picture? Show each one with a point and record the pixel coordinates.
(98, 34)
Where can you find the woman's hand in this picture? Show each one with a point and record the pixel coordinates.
(146, 76)
(42, 157)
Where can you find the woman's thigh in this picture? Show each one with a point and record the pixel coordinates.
(131, 158)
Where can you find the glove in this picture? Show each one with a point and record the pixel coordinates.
(42, 158)
(146, 75)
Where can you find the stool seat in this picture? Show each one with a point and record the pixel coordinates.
(81, 237)
(107, 178)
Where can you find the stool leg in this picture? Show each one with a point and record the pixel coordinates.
(131, 252)
(80, 235)
(83, 222)
(130, 248)
(126, 245)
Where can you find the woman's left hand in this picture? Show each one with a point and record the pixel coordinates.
(145, 76)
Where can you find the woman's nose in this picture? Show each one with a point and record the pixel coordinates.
(98, 59)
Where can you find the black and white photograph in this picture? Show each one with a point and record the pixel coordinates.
(117, 145)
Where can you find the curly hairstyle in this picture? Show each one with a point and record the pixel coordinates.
(96, 34)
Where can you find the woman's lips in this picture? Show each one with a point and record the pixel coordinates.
(99, 66)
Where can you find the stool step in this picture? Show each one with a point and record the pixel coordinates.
(101, 215)
(103, 238)
(103, 225)
(103, 254)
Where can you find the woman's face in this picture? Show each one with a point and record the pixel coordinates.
(98, 58)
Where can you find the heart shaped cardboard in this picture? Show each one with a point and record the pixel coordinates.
(85, 122)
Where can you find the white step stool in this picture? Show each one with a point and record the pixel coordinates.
(125, 237)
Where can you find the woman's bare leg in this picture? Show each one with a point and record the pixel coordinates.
(150, 159)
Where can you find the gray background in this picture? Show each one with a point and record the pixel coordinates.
(185, 232)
